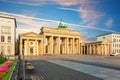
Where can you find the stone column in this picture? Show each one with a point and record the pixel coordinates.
(67, 43)
(21, 45)
(84, 50)
(90, 50)
(58, 45)
(44, 44)
(64, 46)
(105, 49)
(98, 49)
(94, 50)
(103, 52)
(79, 46)
(51, 45)
(87, 49)
(27, 47)
(110, 49)
(41, 49)
(101, 49)
(73, 46)
(36, 46)
(70, 45)
(81, 50)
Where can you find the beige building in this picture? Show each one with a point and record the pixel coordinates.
(55, 41)
(96, 48)
(7, 35)
(114, 38)
(51, 41)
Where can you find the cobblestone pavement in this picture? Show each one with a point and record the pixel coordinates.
(49, 71)
(77, 67)
(100, 72)
(110, 60)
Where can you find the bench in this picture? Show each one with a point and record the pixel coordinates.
(30, 67)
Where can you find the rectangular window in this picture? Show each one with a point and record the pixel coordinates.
(9, 50)
(5, 30)
(9, 38)
(2, 38)
(2, 50)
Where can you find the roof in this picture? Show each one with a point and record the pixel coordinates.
(108, 34)
(8, 17)
(95, 42)
(28, 33)
(91, 42)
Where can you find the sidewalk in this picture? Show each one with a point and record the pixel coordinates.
(103, 73)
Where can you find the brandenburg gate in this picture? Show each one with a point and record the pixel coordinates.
(56, 41)
(53, 41)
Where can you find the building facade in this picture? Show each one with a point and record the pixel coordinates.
(114, 38)
(56, 41)
(96, 48)
(7, 35)
(53, 41)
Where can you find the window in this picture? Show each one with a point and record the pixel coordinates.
(2, 39)
(31, 50)
(31, 43)
(2, 50)
(114, 40)
(9, 38)
(5, 30)
(103, 37)
(9, 50)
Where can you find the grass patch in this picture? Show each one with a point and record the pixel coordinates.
(7, 76)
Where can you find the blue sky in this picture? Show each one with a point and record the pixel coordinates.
(90, 17)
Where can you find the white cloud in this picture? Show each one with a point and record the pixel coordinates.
(27, 23)
(109, 22)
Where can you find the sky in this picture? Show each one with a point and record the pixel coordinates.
(89, 17)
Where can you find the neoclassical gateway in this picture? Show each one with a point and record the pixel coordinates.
(50, 41)
(55, 41)
(96, 48)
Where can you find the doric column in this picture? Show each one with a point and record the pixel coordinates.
(58, 44)
(90, 49)
(64, 45)
(70, 45)
(67, 47)
(51, 45)
(73, 45)
(44, 44)
(81, 50)
(98, 49)
(105, 49)
(27, 47)
(20, 45)
(36, 46)
(94, 50)
(79, 46)
(110, 49)
(102, 49)
(87, 49)
(84, 50)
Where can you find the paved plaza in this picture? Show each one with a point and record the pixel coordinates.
(75, 67)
